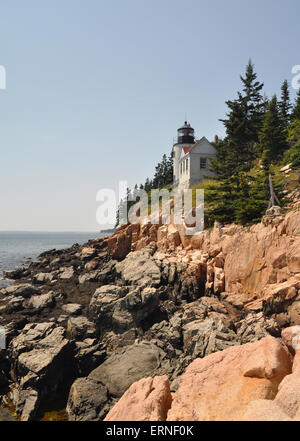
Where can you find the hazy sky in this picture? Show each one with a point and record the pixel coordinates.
(96, 90)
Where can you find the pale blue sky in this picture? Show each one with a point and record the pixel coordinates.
(96, 91)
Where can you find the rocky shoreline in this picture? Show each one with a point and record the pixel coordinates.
(84, 324)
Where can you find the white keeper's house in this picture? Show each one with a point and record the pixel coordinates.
(191, 158)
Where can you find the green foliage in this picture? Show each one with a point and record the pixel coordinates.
(163, 173)
(236, 153)
(242, 200)
(296, 109)
(272, 137)
(285, 105)
(293, 154)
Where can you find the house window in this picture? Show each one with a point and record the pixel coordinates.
(203, 162)
(181, 168)
(186, 164)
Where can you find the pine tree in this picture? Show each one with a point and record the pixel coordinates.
(272, 139)
(169, 170)
(296, 109)
(243, 123)
(285, 105)
(294, 140)
(163, 172)
(253, 101)
(222, 165)
(294, 135)
(148, 185)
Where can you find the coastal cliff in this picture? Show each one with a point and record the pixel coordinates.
(149, 320)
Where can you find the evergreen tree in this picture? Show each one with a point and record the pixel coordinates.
(272, 139)
(148, 185)
(253, 101)
(293, 155)
(285, 105)
(296, 109)
(163, 172)
(169, 170)
(222, 165)
(243, 123)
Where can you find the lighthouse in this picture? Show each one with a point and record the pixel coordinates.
(185, 139)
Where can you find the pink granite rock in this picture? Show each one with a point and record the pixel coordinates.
(148, 399)
(221, 385)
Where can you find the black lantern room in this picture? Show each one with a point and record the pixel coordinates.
(185, 134)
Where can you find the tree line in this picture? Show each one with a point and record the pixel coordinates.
(260, 133)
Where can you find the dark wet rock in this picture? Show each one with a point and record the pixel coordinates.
(114, 308)
(255, 326)
(15, 304)
(79, 328)
(116, 342)
(4, 369)
(119, 371)
(16, 274)
(26, 402)
(41, 360)
(23, 290)
(44, 360)
(103, 303)
(104, 275)
(87, 400)
(89, 354)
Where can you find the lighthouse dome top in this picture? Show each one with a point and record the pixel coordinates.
(185, 134)
(186, 125)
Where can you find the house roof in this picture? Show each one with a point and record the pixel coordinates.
(187, 149)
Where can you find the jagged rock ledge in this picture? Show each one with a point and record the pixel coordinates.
(88, 322)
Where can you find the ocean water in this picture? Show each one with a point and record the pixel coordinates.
(17, 247)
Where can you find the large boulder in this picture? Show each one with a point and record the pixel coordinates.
(87, 399)
(221, 385)
(286, 405)
(153, 397)
(139, 268)
(41, 360)
(46, 363)
(119, 371)
(79, 328)
(114, 308)
(88, 355)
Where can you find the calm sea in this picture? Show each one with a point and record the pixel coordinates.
(17, 247)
